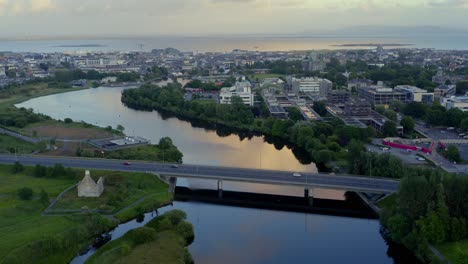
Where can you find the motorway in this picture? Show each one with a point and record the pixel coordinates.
(341, 182)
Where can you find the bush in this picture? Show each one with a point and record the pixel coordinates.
(68, 120)
(185, 229)
(176, 216)
(25, 193)
(40, 171)
(17, 167)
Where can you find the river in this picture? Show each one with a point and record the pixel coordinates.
(226, 234)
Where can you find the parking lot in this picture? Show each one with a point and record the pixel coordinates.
(408, 157)
(439, 133)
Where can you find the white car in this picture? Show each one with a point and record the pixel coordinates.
(296, 174)
(421, 159)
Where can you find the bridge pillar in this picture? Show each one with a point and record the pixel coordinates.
(172, 184)
(220, 188)
(308, 195)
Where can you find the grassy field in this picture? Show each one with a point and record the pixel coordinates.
(262, 76)
(121, 190)
(456, 252)
(26, 92)
(9, 144)
(62, 130)
(388, 201)
(28, 237)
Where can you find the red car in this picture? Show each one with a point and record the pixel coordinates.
(127, 163)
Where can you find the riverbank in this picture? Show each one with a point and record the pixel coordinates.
(324, 143)
(162, 240)
(58, 235)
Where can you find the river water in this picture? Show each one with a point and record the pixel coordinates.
(226, 234)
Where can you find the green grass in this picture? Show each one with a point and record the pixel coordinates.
(22, 227)
(147, 204)
(388, 201)
(453, 251)
(9, 144)
(120, 191)
(162, 240)
(262, 76)
(30, 91)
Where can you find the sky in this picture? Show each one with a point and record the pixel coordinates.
(35, 18)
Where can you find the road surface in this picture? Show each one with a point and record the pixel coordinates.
(341, 182)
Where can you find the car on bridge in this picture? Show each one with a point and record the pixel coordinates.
(127, 163)
(174, 166)
(297, 174)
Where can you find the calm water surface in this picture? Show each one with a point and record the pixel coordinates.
(227, 234)
(102, 106)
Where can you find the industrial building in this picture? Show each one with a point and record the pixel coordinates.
(379, 95)
(338, 97)
(415, 94)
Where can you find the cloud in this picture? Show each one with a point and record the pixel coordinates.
(42, 5)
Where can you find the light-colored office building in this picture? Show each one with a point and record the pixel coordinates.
(315, 86)
(241, 89)
(415, 94)
(460, 102)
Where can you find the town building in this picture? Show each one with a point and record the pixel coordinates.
(358, 83)
(89, 188)
(415, 94)
(240, 89)
(444, 91)
(314, 86)
(460, 102)
(380, 95)
(357, 107)
(313, 62)
(337, 97)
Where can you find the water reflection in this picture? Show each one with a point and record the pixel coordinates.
(102, 107)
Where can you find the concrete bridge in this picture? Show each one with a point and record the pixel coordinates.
(306, 180)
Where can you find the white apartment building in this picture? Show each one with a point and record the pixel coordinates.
(314, 85)
(241, 89)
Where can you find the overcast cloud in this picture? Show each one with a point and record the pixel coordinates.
(204, 17)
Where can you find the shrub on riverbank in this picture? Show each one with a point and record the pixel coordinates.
(163, 240)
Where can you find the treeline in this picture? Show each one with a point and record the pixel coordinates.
(210, 86)
(436, 115)
(323, 142)
(279, 66)
(393, 73)
(13, 117)
(432, 208)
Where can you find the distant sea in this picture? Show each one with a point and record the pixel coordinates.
(226, 44)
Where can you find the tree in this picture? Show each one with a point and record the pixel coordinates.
(464, 124)
(25, 193)
(453, 153)
(392, 115)
(17, 167)
(120, 128)
(408, 124)
(68, 120)
(44, 197)
(415, 109)
(462, 87)
(295, 114)
(320, 108)
(389, 129)
(40, 171)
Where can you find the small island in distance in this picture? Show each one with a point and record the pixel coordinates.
(372, 45)
(81, 46)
